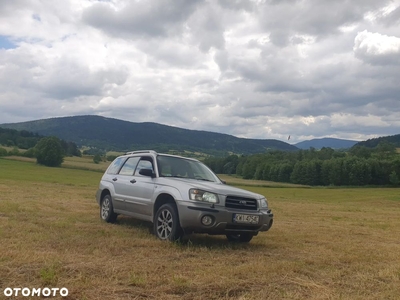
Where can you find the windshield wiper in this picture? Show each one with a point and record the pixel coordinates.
(204, 179)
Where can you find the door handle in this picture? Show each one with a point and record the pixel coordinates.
(115, 179)
(133, 181)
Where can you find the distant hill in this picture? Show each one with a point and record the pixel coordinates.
(371, 143)
(113, 134)
(326, 142)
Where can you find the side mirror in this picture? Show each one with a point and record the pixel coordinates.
(146, 172)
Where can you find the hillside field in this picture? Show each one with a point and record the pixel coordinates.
(325, 244)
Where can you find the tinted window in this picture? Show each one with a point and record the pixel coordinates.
(129, 166)
(115, 165)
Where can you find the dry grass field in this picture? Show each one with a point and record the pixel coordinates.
(325, 244)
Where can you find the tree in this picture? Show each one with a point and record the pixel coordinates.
(230, 164)
(285, 170)
(97, 159)
(248, 170)
(49, 152)
(385, 150)
(394, 179)
(70, 149)
(29, 153)
(325, 153)
(3, 152)
(239, 167)
(14, 151)
(360, 151)
(358, 171)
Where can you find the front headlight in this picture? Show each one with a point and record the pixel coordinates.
(199, 195)
(263, 203)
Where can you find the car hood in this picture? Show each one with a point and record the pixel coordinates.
(219, 188)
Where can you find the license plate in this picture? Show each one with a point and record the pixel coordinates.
(245, 219)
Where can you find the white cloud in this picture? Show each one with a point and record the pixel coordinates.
(256, 69)
(376, 48)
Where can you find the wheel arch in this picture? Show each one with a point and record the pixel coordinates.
(104, 193)
(162, 199)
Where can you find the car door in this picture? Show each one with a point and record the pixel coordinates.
(123, 183)
(142, 189)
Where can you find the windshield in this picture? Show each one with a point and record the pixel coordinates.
(169, 166)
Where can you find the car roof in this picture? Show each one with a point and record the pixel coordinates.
(134, 153)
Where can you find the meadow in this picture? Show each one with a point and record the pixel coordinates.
(326, 243)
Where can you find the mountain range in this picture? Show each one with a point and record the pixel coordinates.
(113, 134)
(118, 135)
(326, 142)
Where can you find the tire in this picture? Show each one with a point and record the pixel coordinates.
(240, 237)
(107, 213)
(166, 223)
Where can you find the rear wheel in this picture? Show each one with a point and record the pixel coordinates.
(106, 210)
(166, 223)
(244, 237)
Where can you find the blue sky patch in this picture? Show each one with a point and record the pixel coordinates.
(5, 43)
(36, 17)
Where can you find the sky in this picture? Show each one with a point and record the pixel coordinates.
(265, 69)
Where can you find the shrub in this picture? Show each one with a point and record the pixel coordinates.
(3, 152)
(394, 179)
(49, 152)
(97, 159)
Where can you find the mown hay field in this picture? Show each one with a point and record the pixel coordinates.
(325, 244)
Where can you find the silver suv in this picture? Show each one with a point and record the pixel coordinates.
(179, 196)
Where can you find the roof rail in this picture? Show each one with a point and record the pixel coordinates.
(141, 151)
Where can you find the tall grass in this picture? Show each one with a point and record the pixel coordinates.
(325, 244)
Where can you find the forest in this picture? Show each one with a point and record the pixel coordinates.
(27, 140)
(358, 166)
(361, 165)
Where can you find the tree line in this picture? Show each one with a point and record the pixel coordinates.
(359, 166)
(48, 151)
(21, 139)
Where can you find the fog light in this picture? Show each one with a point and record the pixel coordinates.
(206, 220)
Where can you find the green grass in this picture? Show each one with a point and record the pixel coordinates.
(325, 244)
(235, 180)
(48, 274)
(32, 172)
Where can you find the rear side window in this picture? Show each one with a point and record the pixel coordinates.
(116, 165)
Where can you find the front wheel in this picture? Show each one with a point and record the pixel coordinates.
(240, 237)
(106, 210)
(166, 223)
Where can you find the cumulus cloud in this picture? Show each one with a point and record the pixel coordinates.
(376, 48)
(256, 69)
(140, 18)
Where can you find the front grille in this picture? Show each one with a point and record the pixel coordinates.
(241, 203)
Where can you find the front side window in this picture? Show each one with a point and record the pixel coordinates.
(129, 167)
(144, 163)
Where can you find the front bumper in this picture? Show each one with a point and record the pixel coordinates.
(191, 213)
